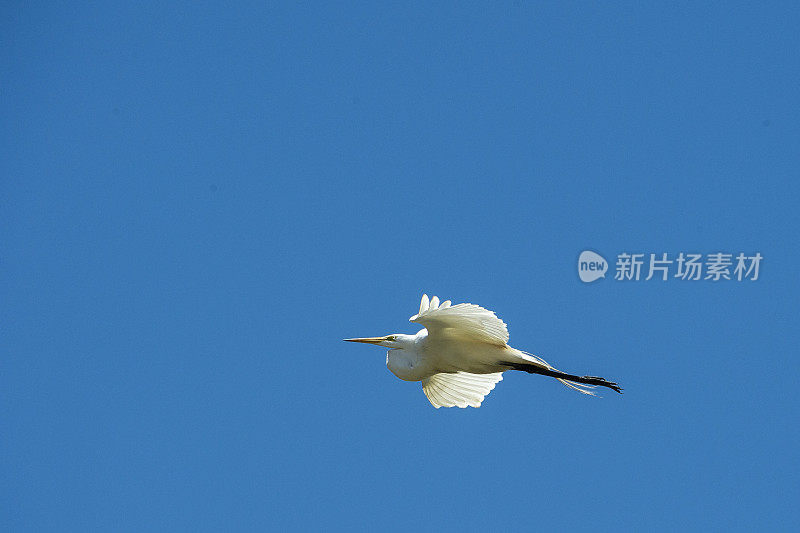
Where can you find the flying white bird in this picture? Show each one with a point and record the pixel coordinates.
(461, 354)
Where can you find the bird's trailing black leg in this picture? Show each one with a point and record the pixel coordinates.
(532, 368)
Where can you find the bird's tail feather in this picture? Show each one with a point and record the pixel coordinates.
(582, 384)
(580, 387)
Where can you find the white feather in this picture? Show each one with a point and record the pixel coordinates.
(424, 304)
(459, 389)
(469, 320)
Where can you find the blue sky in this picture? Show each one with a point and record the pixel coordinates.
(200, 201)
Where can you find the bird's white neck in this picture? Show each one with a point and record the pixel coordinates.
(405, 342)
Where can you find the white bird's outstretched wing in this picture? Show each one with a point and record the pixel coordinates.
(459, 389)
(468, 319)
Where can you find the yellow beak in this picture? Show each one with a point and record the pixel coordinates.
(368, 340)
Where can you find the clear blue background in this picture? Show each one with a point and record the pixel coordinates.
(200, 201)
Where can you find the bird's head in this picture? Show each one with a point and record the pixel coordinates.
(393, 341)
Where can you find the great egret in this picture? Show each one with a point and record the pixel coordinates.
(461, 354)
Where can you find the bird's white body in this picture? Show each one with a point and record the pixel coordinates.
(461, 354)
(422, 356)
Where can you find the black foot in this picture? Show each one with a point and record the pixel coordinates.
(594, 380)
